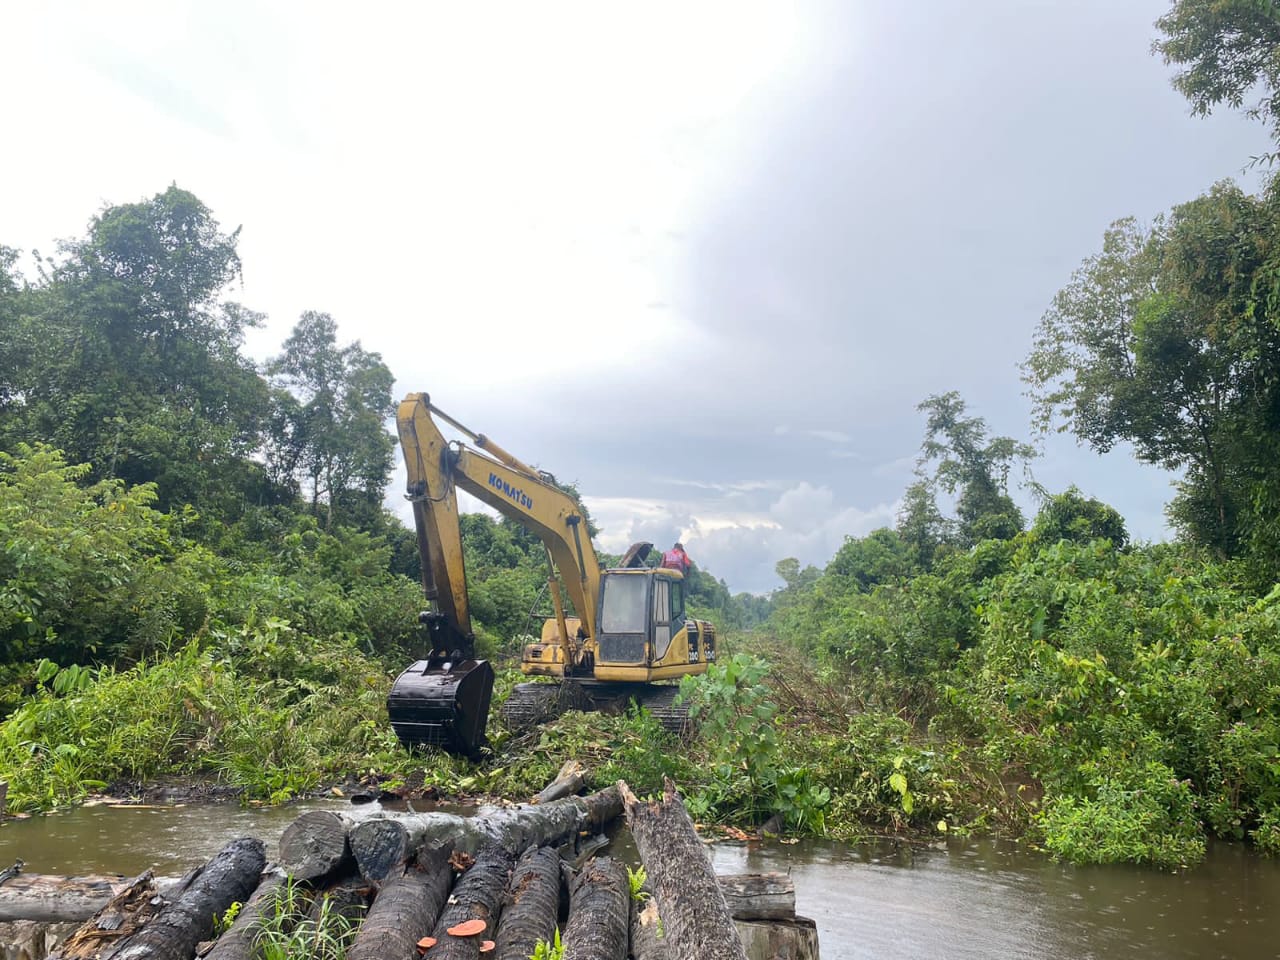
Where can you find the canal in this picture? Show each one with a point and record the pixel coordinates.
(958, 899)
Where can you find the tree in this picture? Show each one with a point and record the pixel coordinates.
(1166, 340)
(126, 356)
(328, 430)
(1073, 516)
(1230, 50)
(974, 467)
(921, 525)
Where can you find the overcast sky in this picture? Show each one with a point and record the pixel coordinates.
(703, 259)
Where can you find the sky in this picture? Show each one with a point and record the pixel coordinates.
(703, 260)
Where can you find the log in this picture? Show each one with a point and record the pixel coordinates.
(759, 896)
(530, 906)
(237, 942)
(567, 782)
(695, 917)
(231, 874)
(382, 845)
(647, 939)
(28, 940)
(476, 896)
(315, 845)
(126, 912)
(404, 910)
(599, 913)
(348, 897)
(795, 939)
(54, 899)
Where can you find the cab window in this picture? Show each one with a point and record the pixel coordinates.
(661, 617)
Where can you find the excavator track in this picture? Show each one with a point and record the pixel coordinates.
(533, 703)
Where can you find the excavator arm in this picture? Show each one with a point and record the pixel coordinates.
(444, 700)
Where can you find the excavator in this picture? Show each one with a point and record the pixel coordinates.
(614, 636)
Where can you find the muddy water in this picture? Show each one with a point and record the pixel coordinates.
(959, 900)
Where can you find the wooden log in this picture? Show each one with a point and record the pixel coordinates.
(567, 782)
(126, 912)
(28, 940)
(49, 898)
(238, 941)
(404, 910)
(231, 874)
(647, 939)
(599, 912)
(382, 845)
(348, 897)
(315, 845)
(695, 917)
(476, 896)
(530, 906)
(795, 939)
(759, 896)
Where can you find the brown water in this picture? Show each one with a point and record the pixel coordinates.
(958, 900)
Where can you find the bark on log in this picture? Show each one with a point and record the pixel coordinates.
(383, 844)
(599, 913)
(348, 897)
(759, 896)
(237, 942)
(647, 943)
(695, 917)
(231, 875)
(567, 782)
(476, 896)
(531, 905)
(128, 911)
(404, 911)
(28, 940)
(795, 939)
(315, 845)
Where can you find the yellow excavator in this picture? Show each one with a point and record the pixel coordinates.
(627, 629)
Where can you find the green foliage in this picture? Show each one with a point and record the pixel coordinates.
(548, 951)
(1228, 50)
(286, 932)
(635, 883)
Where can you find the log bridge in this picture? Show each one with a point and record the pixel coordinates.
(430, 886)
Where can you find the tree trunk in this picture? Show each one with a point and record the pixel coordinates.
(795, 939)
(476, 896)
(28, 940)
(232, 874)
(531, 905)
(695, 917)
(383, 844)
(567, 782)
(404, 910)
(759, 896)
(315, 845)
(128, 911)
(348, 897)
(599, 913)
(237, 942)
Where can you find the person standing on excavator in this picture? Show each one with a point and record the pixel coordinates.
(676, 559)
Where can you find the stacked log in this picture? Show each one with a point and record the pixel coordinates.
(446, 887)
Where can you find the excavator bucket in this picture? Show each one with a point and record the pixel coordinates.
(442, 704)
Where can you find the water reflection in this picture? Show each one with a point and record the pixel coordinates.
(956, 900)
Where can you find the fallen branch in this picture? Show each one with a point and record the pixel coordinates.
(567, 782)
(695, 917)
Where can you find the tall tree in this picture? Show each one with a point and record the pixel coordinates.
(130, 356)
(1166, 340)
(332, 405)
(973, 466)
